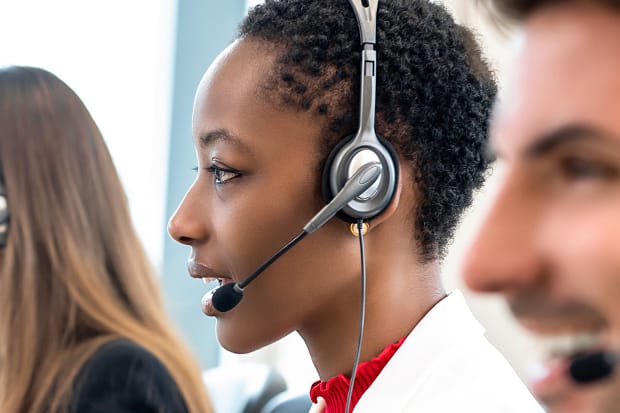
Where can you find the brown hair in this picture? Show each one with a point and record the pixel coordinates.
(521, 9)
(73, 274)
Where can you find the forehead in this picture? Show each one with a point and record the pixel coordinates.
(231, 83)
(567, 72)
(229, 103)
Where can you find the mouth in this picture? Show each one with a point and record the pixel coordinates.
(208, 276)
(220, 280)
(561, 350)
(574, 340)
(568, 346)
(562, 334)
(205, 273)
(570, 372)
(563, 330)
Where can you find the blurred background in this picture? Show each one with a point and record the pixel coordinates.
(136, 64)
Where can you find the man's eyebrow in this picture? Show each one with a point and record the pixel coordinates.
(567, 134)
(216, 135)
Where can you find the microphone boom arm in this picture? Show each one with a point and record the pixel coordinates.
(226, 297)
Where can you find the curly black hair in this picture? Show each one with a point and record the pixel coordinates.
(434, 93)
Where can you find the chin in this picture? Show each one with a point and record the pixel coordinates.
(239, 339)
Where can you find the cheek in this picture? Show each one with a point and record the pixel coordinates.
(584, 247)
(251, 231)
(299, 285)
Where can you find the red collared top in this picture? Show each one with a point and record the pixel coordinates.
(334, 390)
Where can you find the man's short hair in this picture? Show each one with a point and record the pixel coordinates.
(521, 9)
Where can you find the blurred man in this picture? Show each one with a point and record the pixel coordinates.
(551, 241)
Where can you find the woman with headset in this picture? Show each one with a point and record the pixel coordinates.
(283, 123)
(82, 326)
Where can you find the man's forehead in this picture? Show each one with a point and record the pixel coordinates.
(567, 72)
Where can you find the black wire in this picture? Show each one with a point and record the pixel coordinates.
(360, 228)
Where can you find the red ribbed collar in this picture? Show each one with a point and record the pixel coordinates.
(334, 390)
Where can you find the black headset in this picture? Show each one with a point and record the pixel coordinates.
(365, 146)
(4, 214)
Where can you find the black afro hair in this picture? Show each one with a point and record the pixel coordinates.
(434, 93)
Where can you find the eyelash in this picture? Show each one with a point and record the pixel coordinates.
(219, 174)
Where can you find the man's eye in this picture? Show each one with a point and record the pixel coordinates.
(222, 175)
(579, 169)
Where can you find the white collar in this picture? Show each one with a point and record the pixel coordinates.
(445, 325)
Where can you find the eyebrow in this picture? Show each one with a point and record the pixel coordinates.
(563, 136)
(216, 135)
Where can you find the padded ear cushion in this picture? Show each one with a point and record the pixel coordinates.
(326, 190)
(334, 177)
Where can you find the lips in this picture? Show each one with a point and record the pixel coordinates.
(208, 275)
(562, 337)
(563, 330)
(552, 383)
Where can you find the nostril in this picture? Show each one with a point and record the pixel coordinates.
(185, 240)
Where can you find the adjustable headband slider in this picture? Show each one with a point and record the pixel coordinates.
(367, 19)
(369, 59)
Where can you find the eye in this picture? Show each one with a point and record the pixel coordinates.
(222, 175)
(575, 169)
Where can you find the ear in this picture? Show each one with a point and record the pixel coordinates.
(393, 206)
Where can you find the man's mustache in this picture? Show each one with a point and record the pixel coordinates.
(537, 305)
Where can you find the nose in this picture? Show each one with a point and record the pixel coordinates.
(187, 224)
(504, 255)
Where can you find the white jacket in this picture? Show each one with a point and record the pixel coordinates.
(447, 365)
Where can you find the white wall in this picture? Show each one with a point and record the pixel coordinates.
(117, 55)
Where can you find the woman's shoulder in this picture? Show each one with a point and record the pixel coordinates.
(122, 376)
(116, 353)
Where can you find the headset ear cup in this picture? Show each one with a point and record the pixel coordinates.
(326, 190)
(336, 166)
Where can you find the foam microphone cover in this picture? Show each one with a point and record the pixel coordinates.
(226, 297)
(591, 367)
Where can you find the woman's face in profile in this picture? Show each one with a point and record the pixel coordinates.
(255, 189)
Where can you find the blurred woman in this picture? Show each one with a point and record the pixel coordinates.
(82, 324)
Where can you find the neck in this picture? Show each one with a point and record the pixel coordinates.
(399, 292)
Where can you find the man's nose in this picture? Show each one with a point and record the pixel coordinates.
(503, 256)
